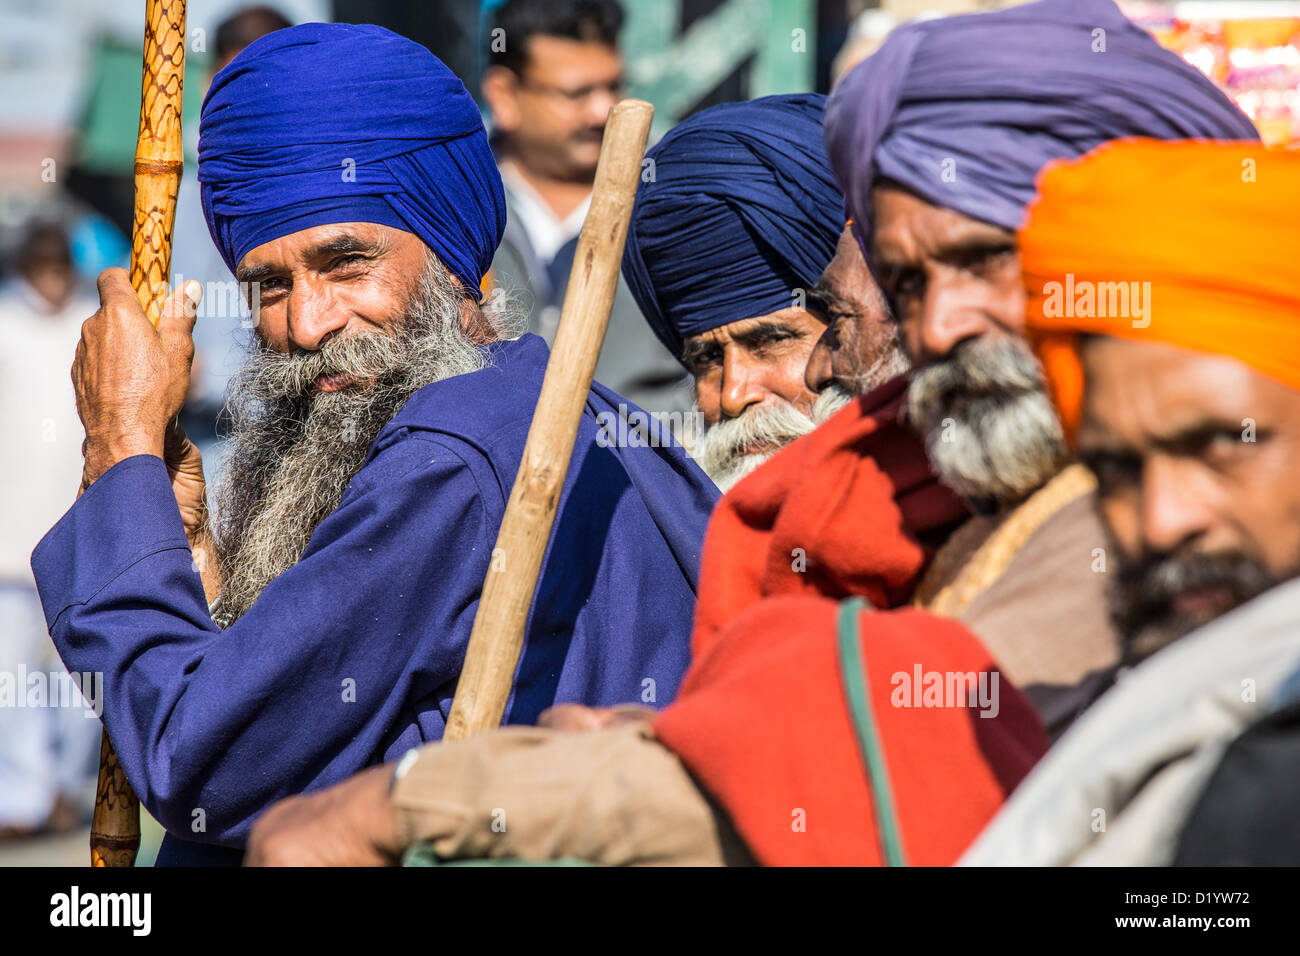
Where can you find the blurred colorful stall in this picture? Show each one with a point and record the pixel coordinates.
(1250, 49)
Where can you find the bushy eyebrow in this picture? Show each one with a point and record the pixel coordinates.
(337, 245)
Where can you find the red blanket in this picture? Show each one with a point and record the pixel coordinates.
(762, 722)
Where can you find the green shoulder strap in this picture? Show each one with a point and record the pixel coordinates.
(853, 669)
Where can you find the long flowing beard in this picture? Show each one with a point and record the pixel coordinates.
(294, 449)
(723, 451)
(990, 429)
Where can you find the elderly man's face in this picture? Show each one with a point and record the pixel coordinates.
(749, 384)
(947, 277)
(860, 348)
(753, 362)
(953, 284)
(1195, 458)
(332, 281)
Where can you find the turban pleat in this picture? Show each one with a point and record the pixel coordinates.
(738, 211)
(1211, 227)
(964, 111)
(331, 122)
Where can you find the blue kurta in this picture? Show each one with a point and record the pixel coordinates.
(351, 656)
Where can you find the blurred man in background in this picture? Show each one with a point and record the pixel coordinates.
(555, 72)
(47, 753)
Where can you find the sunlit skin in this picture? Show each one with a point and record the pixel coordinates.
(1162, 428)
(552, 117)
(858, 325)
(340, 279)
(947, 277)
(753, 362)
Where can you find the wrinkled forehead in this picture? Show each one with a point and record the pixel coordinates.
(905, 227)
(1144, 395)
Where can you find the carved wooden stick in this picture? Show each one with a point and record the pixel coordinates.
(159, 161)
(498, 635)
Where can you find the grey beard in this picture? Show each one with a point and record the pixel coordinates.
(991, 431)
(293, 449)
(720, 451)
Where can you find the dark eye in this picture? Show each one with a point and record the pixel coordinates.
(350, 259)
(1224, 445)
(908, 284)
(1114, 470)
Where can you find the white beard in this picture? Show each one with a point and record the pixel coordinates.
(991, 431)
(721, 450)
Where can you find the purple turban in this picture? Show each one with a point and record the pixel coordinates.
(330, 122)
(742, 210)
(964, 111)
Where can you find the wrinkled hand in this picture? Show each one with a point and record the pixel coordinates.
(131, 378)
(577, 717)
(349, 824)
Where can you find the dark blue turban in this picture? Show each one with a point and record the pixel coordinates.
(964, 111)
(741, 211)
(330, 122)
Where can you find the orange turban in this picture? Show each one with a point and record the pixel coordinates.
(1193, 244)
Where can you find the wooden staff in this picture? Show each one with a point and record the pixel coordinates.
(498, 635)
(159, 161)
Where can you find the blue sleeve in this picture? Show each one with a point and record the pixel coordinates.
(304, 689)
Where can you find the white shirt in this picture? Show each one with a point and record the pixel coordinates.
(546, 234)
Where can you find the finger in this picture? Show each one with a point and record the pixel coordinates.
(181, 309)
(115, 288)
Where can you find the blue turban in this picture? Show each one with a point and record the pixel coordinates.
(331, 122)
(965, 111)
(739, 210)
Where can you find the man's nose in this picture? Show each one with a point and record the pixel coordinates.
(742, 385)
(312, 316)
(821, 371)
(1173, 511)
(598, 105)
(951, 313)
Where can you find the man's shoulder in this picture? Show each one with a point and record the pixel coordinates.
(479, 406)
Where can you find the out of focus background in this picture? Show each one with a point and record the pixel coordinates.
(69, 102)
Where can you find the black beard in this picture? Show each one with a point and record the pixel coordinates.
(1143, 596)
(294, 449)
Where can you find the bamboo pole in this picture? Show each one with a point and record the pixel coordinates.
(497, 638)
(159, 161)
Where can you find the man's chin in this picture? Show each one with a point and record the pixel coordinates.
(1182, 614)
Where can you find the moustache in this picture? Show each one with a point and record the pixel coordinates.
(976, 369)
(366, 357)
(1148, 592)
